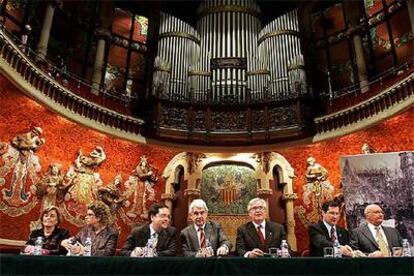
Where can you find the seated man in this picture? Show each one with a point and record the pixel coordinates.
(257, 236)
(159, 232)
(325, 232)
(372, 238)
(197, 238)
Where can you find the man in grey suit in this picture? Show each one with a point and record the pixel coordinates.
(162, 235)
(256, 237)
(372, 238)
(203, 238)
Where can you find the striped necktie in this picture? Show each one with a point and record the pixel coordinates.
(333, 234)
(202, 238)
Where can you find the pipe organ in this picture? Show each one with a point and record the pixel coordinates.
(229, 57)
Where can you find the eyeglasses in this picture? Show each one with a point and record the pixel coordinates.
(257, 208)
(90, 214)
(163, 216)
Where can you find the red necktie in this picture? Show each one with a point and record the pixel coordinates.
(202, 238)
(333, 234)
(261, 237)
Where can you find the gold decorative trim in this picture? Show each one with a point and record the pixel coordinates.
(162, 69)
(199, 73)
(258, 72)
(296, 67)
(12, 242)
(277, 33)
(13, 211)
(192, 192)
(167, 196)
(290, 196)
(264, 192)
(229, 8)
(179, 34)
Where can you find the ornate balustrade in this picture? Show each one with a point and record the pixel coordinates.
(385, 104)
(228, 124)
(38, 85)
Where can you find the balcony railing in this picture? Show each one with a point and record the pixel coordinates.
(60, 98)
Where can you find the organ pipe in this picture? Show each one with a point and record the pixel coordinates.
(228, 56)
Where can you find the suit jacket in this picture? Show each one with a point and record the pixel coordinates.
(213, 232)
(248, 239)
(166, 244)
(363, 240)
(319, 237)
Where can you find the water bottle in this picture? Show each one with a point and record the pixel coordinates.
(38, 246)
(88, 247)
(406, 248)
(284, 249)
(209, 248)
(337, 249)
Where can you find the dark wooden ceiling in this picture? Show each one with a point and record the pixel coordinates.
(187, 9)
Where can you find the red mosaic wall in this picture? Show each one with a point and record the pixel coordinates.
(64, 138)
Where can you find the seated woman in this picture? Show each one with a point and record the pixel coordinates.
(103, 236)
(50, 232)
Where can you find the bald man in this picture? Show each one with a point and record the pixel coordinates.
(372, 238)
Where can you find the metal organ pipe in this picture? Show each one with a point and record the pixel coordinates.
(229, 54)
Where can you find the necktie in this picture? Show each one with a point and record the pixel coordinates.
(202, 238)
(261, 237)
(381, 243)
(333, 234)
(155, 239)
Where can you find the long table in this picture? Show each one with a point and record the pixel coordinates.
(62, 265)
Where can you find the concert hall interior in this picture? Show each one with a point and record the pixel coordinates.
(223, 100)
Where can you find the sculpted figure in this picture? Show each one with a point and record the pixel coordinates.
(84, 179)
(141, 184)
(317, 189)
(20, 165)
(29, 141)
(111, 195)
(50, 188)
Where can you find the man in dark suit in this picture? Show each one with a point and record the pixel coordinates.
(162, 235)
(203, 238)
(325, 232)
(257, 236)
(372, 238)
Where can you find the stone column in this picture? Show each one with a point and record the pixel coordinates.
(410, 7)
(289, 196)
(168, 200)
(103, 36)
(353, 12)
(46, 27)
(99, 60)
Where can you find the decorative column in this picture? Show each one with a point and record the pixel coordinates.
(353, 11)
(102, 36)
(168, 200)
(289, 196)
(410, 7)
(46, 27)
